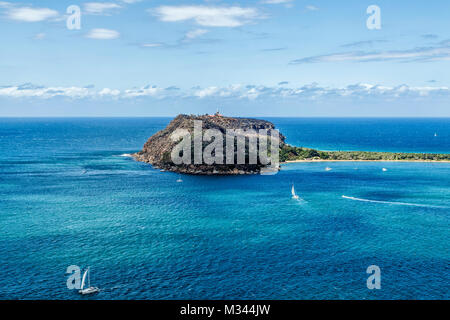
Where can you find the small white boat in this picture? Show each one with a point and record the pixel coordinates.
(179, 180)
(89, 289)
(435, 134)
(328, 169)
(294, 195)
(384, 169)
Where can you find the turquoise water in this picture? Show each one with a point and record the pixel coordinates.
(68, 197)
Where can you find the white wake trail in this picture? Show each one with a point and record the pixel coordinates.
(395, 203)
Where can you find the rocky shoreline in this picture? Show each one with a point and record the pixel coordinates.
(201, 169)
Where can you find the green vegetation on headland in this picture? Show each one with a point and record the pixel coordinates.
(290, 153)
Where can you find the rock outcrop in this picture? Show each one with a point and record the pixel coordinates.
(157, 150)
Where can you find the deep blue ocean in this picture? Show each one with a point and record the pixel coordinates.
(68, 196)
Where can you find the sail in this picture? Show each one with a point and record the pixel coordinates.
(84, 278)
(293, 191)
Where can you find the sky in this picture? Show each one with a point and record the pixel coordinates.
(299, 58)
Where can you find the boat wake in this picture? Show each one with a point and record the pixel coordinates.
(395, 203)
(300, 201)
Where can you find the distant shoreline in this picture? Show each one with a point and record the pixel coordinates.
(325, 160)
(297, 154)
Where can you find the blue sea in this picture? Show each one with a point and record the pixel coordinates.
(70, 196)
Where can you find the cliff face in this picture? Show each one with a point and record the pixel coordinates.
(157, 150)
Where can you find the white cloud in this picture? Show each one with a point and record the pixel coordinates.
(151, 45)
(109, 92)
(28, 14)
(103, 34)
(436, 53)
(311, 8)
(195, 33)
(4, 4)
(311, 91)
(276, 1)
(100, 8)
(39, 36)
(147, 91)
(207, 16)
(206, 92)
(27, 91)
(314, 91)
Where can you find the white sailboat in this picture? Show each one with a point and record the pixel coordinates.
(384, 169)
(294, 195)
(89, 289)
(179, 180)
(328, 169)
(435, 134)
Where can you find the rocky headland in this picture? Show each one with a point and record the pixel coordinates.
(157, 150)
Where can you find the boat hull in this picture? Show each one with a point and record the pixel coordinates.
(89, 290)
